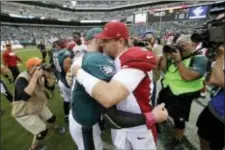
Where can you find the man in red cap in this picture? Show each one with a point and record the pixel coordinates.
(129, 88)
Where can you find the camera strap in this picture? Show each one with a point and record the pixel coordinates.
(197, 52)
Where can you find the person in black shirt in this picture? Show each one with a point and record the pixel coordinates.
(42, 49)
(29, 102)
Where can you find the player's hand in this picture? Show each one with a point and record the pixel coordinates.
(78, 59)
(38, 73)
(69, 77)
(160, 113)
(74, 69)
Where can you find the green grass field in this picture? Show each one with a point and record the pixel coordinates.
(14, 136)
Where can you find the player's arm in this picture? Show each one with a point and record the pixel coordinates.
(124, 82)
(18, 59)
(119, 119)
(108, 94)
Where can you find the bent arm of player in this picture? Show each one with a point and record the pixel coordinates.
(110, 93)
(117, 119)
(124, 82)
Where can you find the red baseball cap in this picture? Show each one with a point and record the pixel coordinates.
(114, 30)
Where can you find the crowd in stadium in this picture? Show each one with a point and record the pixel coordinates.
(28, 32)
(36, 11)
(109, 79)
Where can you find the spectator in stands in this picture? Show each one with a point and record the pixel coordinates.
(29, 102)
(42, 48)
(211, 120)
(182, 83)
(10, 60)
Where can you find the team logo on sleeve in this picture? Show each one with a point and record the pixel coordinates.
(107, 70)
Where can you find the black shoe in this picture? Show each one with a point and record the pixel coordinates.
(40, 147)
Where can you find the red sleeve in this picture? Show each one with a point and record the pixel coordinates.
(5, 58)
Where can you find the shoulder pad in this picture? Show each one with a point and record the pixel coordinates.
(136, 58)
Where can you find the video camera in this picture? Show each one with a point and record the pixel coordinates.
(212, 34)
(171, 49)
(140, 43)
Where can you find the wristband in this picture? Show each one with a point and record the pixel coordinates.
(149, 119)
(87, 80)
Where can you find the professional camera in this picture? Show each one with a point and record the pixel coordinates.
(212, 34)
(140, 43)
(172, 48)
(46, 67)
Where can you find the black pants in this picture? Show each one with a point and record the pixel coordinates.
(15, 72)
(211, 129)
(44, 54)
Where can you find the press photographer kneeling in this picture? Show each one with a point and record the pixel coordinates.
(184, 69)
(211, 120)
(29, 106)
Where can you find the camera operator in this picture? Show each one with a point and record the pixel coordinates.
(29, 106)
(211, 120)
(184, 70)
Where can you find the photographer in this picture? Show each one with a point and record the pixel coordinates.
(184, 70)
(29, 106)
(211, 120)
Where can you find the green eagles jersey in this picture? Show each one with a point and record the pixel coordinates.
(58, 58)
(85, 109)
